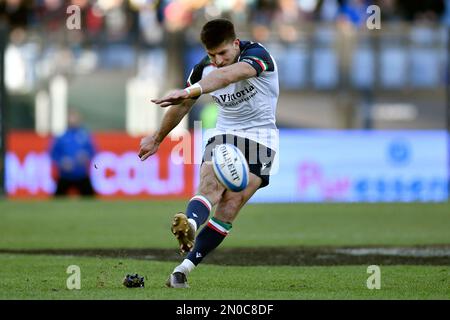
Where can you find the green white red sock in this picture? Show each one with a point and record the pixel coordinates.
(208, 239)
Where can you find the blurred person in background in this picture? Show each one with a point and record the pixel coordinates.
(354, 12)
(446, 15)
(421, 10)
(51, 16)
(261, 18)
(91, 29)
(72, 153)
(15, 13)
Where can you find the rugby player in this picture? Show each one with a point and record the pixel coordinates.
(242, 78)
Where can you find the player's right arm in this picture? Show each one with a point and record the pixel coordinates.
(150, 144)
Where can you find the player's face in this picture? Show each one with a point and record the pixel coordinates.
(225, 54)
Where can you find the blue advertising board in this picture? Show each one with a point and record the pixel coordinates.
(359, 166)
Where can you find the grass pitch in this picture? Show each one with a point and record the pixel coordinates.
(76, 224)
(146, 224)
(44, 277)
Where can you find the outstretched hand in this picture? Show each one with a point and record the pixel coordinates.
(149, 146)
(174, 98)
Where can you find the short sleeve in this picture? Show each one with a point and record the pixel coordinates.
(258, 57)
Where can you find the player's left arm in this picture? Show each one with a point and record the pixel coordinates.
(217, 79)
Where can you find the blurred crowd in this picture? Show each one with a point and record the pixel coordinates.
(318, 44)
(135, 35)
(146, 21)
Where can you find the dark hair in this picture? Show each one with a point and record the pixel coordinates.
(217, 31)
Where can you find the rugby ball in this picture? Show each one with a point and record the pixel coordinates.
(230, 167)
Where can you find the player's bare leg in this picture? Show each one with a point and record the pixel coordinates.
(231, 202)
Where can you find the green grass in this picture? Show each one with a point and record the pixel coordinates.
(67, 224)
(44, 277)
(145, 224)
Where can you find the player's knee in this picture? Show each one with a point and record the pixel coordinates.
(227, 211)
(232, 205)
(237, 200)
(208, 184)
(211, 189)
(225, 216)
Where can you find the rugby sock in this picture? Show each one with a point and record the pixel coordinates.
(198, 210)
(208, 239)
(185, 267)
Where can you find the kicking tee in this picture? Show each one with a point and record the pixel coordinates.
(246, 108)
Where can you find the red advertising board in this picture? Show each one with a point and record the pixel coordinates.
(116, 170)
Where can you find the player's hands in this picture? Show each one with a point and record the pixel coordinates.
(174, 98)
(149, 146)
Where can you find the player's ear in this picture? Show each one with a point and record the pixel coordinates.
(236, 43)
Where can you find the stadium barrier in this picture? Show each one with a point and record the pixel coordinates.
(313, 166)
